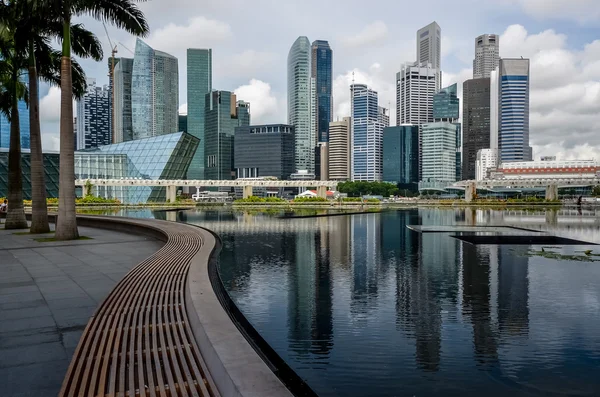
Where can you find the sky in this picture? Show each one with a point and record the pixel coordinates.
(370, 41)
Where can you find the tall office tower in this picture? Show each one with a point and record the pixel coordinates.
(446, 107)
(401, 156)
(429, 49)
(514, 110)
(154, 92)
(476, 123)
(383, 116)
(438, 154)
(199, 83)
(339, 150)
(415, 86)
(123, 128)
(367, 134)
(487, 55)
(223, 115)
(322, 72)
(23, 123)
(112, 65)
(93, 117)
(301, 107)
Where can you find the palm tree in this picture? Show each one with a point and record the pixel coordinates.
(121, 13)
(34, 32)
(12, 90)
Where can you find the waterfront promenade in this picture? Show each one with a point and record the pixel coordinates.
(48, 292)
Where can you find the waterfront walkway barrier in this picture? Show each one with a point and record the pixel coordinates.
(149, 337)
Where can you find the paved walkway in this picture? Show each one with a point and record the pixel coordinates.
(48, 291)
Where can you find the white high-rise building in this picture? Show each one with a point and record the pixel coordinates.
(486, 159)
(439, 153)
(93, 117)
(494, 106)
(487, 55)
(429, 49)
(415, 86)
(301, 89)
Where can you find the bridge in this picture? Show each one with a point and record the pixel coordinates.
(551, 184)
(246, 184)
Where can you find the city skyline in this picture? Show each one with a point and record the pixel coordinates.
(258, 71)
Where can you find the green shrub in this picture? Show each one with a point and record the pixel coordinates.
(310, 200)
(96, 200)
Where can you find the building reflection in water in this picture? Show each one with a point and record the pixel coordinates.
(365, 262)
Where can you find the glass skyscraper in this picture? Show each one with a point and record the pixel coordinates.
(446, 107)
(514, 110)
(367, 131)
(93, 117)
(223, 115)
(476, 123)
(301, 103)
(401, 156)
(123, 125)
(154, 92)
(322, 73)
(23, 122)
(199, 83)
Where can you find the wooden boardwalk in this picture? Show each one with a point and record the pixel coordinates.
(139, 342)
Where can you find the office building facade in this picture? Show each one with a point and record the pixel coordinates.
(415, 86)
(513, 110)
(154, 92)
(429, 49)
(438, 153)
(199, 83)
(264, 151)
(367, 134)
(322, 73)
(123, 127)
(401, 156)
(93, 117)
(339, 150)
(302, 103)
(446, 107)
(487, 159)
(487, 55)
(223, 115)
(476, 123)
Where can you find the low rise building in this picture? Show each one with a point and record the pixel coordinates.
(548, 169)
(487, 159)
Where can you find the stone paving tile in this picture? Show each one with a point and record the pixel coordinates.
(48, 292)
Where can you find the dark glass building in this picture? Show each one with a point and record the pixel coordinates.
(50, 167)
(476, 123)
(183, 123)
(223, 115)
(322, 72)
(401, 156)
(264, 150)
(446, 105)
(199, 83)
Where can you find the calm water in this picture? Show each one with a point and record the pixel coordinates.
(362, 306)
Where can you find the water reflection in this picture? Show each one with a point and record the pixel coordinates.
(360, 305)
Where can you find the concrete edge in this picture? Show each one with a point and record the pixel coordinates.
(236, 368)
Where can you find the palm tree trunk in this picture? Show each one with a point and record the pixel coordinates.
(39, 209)
(66, 224)
(15, 218)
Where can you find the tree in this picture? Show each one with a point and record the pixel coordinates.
(12, 89)
(596, 191)
(121, 13)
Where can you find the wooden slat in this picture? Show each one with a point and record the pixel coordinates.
(139, 342)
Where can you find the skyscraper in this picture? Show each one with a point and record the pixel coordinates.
(122, 96)
(339, 150)
(154, 92)
(367, 134)
(199, 83)
(415, 86)
(301, 103)
(514, 110)
(93, 117)
(322, 73)
(401, 156)
(223, 115)
(429, 49)
(476, 123)
(446, 107)
(487, 55)
(438, 153)
(23, 123)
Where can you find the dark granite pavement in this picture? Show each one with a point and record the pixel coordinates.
(48, 291)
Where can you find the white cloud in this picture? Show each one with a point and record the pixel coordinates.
(50, 106)
(246, 63)
(200, 32)
(183, 109)
(578, 10)
(264, 107)
(371, 34)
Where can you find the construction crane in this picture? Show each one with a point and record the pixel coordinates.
(111, 76)
(124, 46)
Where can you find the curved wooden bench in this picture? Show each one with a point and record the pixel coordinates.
(139, 342)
